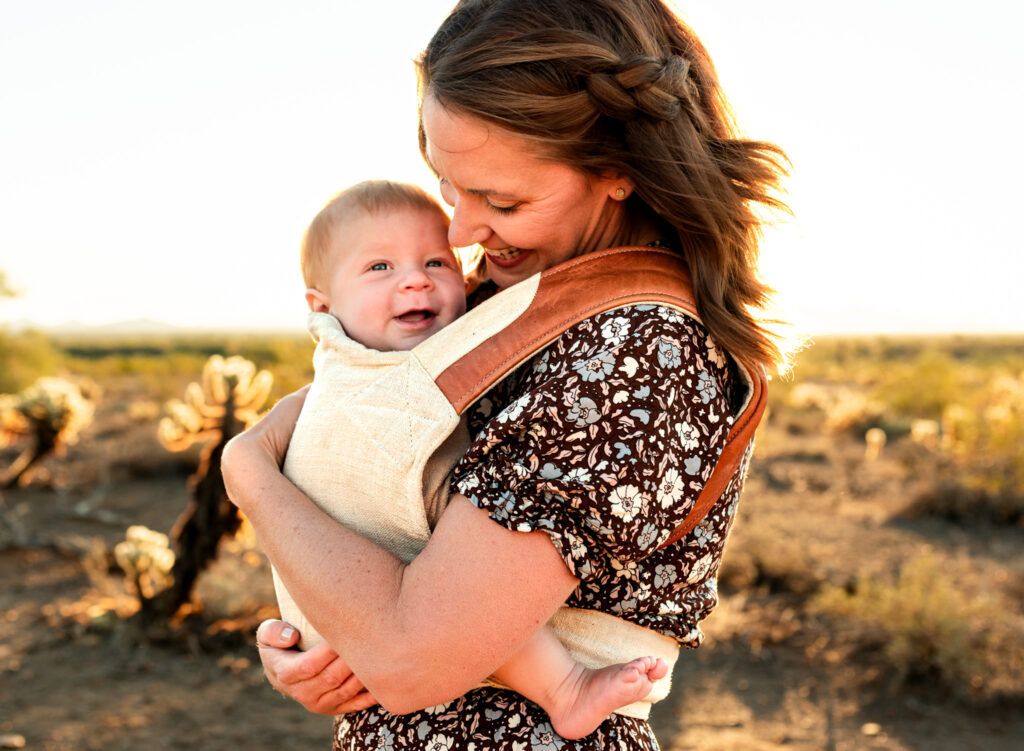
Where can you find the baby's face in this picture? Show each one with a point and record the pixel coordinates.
(394, 279)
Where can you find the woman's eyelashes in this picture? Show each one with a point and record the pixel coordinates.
(503, 210)
(447, 191)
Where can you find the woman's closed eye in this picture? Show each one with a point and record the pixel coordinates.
(503, 210)
(447, 190)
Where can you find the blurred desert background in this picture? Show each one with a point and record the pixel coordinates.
(158, 163)
(871, 593)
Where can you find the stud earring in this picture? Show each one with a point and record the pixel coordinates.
(620, 193)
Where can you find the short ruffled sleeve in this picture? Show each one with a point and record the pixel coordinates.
(604, 440)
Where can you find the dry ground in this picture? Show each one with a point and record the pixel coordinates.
(74, 678)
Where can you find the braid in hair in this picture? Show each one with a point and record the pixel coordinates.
(624, 86)
(647, 86)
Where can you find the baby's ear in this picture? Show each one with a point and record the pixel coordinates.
(317, 301)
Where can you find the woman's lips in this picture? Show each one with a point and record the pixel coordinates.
(505, 257)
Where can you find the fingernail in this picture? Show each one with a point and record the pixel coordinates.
(287, 633)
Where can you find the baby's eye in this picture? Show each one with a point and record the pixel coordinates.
(379, 266)
(435, 264)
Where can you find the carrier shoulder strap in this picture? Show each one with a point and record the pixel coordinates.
(583, 287)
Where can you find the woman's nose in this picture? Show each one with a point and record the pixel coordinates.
(468, 227)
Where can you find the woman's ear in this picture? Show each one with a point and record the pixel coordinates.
(317, 301)
(615, 185)
(622, 188)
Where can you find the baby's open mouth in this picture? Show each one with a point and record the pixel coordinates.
(415, 316)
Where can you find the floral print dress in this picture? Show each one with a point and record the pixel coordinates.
(603, 441)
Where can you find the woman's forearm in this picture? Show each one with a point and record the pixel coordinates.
(415, 635)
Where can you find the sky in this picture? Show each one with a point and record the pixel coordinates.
(160, 160)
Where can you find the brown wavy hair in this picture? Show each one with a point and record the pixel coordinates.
(625, 86)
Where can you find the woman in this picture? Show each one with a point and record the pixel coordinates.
(556, 128)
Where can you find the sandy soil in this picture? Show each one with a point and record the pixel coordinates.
(72, 676)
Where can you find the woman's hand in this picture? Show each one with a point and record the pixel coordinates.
(263, 446)
(318, 679)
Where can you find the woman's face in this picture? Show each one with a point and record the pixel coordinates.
(527, 214)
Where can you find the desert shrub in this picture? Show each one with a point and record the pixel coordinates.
(885, 394)
(986, 436)
(24, 358)
(925, 627)
(765, 562)
(980, 462)
(852, 384)
(948, 498)
(851, 359)
(164, 365)
(921, 387)
(841, 408)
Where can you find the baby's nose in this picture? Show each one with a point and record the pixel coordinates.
(416, 279)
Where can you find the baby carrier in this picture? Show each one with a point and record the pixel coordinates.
(392, 420)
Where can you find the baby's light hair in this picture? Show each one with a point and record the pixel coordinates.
(372, 196)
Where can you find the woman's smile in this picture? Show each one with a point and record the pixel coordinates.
(527, 212)
(505, 257)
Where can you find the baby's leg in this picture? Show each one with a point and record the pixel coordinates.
(577, 699)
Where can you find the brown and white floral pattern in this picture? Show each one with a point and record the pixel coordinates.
(482, 720)
(603, 441)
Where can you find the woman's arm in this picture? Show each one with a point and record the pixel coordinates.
(415, 635)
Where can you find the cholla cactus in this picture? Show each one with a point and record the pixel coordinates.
(51, 413)
(226, 403)
(845, 408)
(146, 557)
(984, 438)
(874, 442)
(228, 385)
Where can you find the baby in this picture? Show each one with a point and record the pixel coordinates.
(377, 258)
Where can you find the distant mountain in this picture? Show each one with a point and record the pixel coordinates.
(142, 327)
(135, 327)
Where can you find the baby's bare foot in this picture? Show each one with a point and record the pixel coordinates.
(587, 697)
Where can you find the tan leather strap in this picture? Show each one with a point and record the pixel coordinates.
(581, 288)
(567, 294)
(732, 454)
